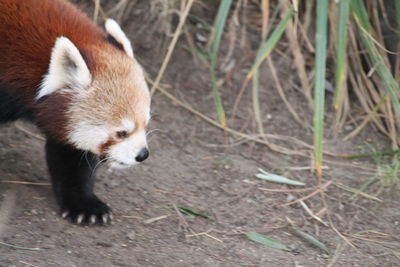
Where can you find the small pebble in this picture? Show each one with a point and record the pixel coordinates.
(131, 235)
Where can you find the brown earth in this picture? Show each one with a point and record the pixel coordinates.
(196, 165)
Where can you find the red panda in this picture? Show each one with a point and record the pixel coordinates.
(82, 87)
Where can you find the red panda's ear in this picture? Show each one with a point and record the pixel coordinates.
(115, 31)
(67, 68)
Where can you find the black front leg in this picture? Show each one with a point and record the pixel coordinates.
(72, 176)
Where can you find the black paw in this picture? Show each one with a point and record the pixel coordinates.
(86, 211)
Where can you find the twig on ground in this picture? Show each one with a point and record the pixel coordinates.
(23, 182)
(182, 220)
(28, 264)
(308, 210)
(23, 129)
(130, 217)
(205, 234)
(155, 219)
(320, 189)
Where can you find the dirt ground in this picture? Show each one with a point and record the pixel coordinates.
(196, 165)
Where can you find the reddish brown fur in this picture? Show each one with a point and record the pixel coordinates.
(28, 30)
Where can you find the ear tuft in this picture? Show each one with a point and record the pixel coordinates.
(113, 29)
(67, 67)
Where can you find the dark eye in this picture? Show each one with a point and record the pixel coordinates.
(122, 134)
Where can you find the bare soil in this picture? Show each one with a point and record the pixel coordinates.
(196, 165)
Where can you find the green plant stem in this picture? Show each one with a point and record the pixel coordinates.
(219, 25)
(340, 74)
(319, 89)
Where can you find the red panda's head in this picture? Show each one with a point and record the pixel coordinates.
(109, 104)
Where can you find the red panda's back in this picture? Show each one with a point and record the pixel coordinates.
(28, 29)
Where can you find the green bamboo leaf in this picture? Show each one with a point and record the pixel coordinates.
(267, 46)
(340, 74)
(188, 211)
(274, 178)
(319, 89)
(219, 25)
(312, 240)
(269, 242)
(18, 247)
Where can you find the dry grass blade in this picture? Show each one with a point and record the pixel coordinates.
(96, 9)
(130, 217)
(23, 182)
(156, 219)
(256, 103)
(366, 236)
(314, 216)
(367, 119)
(365, 30)
(23, 129)
(28, 264)
(171, 47)
(295, 48)
(282, 93)
(265, 18)
(320, 189)
(357, 192)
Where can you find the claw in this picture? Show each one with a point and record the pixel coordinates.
(93, 219)
(64, 214)
(80, 219)
(104, 218)
(111, 215)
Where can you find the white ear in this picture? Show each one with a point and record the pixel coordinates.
(67, 67)
(113, 29)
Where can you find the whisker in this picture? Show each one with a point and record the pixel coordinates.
(87, 160)
(152, 131)
(82, 156)
(98, 163)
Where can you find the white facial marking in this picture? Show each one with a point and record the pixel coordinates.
(128, 125)
(67, 67)
(148, 117)
(126, 151)
(116, 32)
(88, 137)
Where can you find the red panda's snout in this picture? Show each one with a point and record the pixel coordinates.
(123, 144)
(128, 152)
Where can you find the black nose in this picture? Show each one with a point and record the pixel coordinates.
(143, 154)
